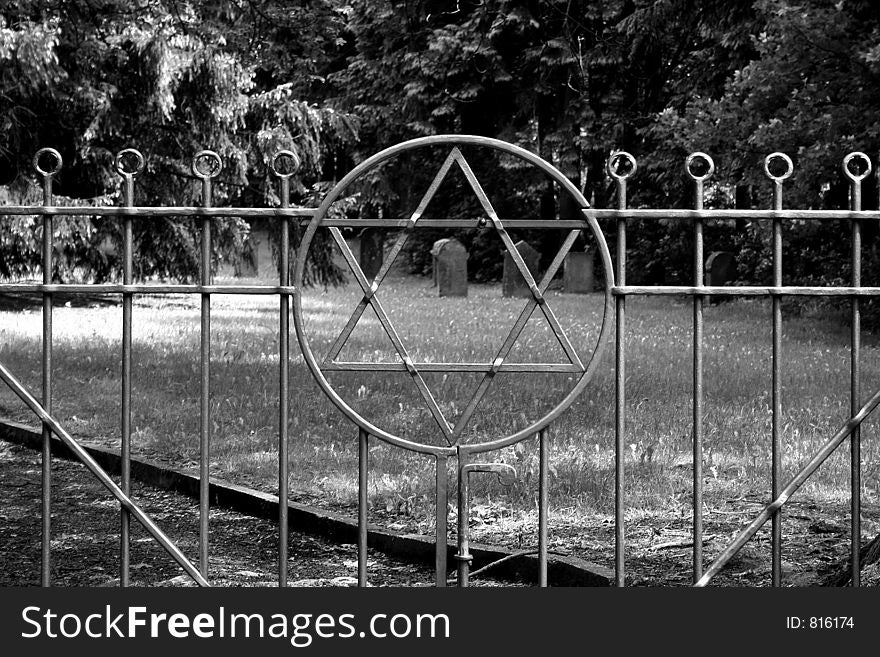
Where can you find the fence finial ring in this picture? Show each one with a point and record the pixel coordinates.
(58, 162)
(215, 168)
(788, 163)
(692, 159)
(276, 159)
(616, 161)
(856, 177)
(120, 162)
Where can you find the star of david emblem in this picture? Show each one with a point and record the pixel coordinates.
(453, 432)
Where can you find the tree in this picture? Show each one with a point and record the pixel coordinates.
(571, 81)
(171, 78)
(811, 92)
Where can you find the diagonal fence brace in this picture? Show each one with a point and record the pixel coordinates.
(796, 482)
(86, 459)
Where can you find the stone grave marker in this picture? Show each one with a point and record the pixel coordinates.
(450, 268)
(720, 268)
(264, 259)
(354, 243)
(512, 282)
(435, 251)
(262, 264)
(371, 252)
(577, 278)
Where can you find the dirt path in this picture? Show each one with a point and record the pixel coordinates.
(85, 543)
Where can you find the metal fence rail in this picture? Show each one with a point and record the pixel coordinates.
(621, 167)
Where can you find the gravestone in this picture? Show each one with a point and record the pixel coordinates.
(264, 260)
(512, 282)
(371, 252)
(243, 268)
(354, 245)
(577, 278)
(450, 268)
(720, 268)
(261, 263)
(435, 251)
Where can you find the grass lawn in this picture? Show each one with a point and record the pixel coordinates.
(244, 379)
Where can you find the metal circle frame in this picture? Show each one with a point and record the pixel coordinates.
(119, 162)
(59, 162)
(623, 156)
(692, 158)
(321, 213)
(788, 163)
(296, 163)
(856, 177)
(211, 156)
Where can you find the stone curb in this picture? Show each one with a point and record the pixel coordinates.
(561, 570)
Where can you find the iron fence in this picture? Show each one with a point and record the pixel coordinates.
(621, 167)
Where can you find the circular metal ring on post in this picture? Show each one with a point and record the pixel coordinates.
(58, 162)
(853, 176)
(277, 157)
(588, 371)
(208, 155)
(626, 157)
(688, 163)
(785, 158)
(120, 164)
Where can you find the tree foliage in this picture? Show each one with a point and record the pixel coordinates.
(170, 78)
(338, 80)
(570, 80)
(809, 91)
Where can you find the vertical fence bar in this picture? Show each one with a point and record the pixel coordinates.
(463, 557)
(48, 230)
(205, 362)
(205, 406)
(855, 367)
(620, 408)
(127, 279)
(776, 456)
(284, 363)
(698, 391)
(698, 364)
(125, 518)
(620, 373)
(543, 505)
(363, 481)
(776, 529)
(441, 502)
(46, 473)
(283, 383)
(855, 392)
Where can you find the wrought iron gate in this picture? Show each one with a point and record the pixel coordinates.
(621, 166)
(466, 454)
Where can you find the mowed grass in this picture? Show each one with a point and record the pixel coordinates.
(323, 443)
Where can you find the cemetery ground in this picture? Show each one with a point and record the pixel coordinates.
(85, 540)
(323, 446)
